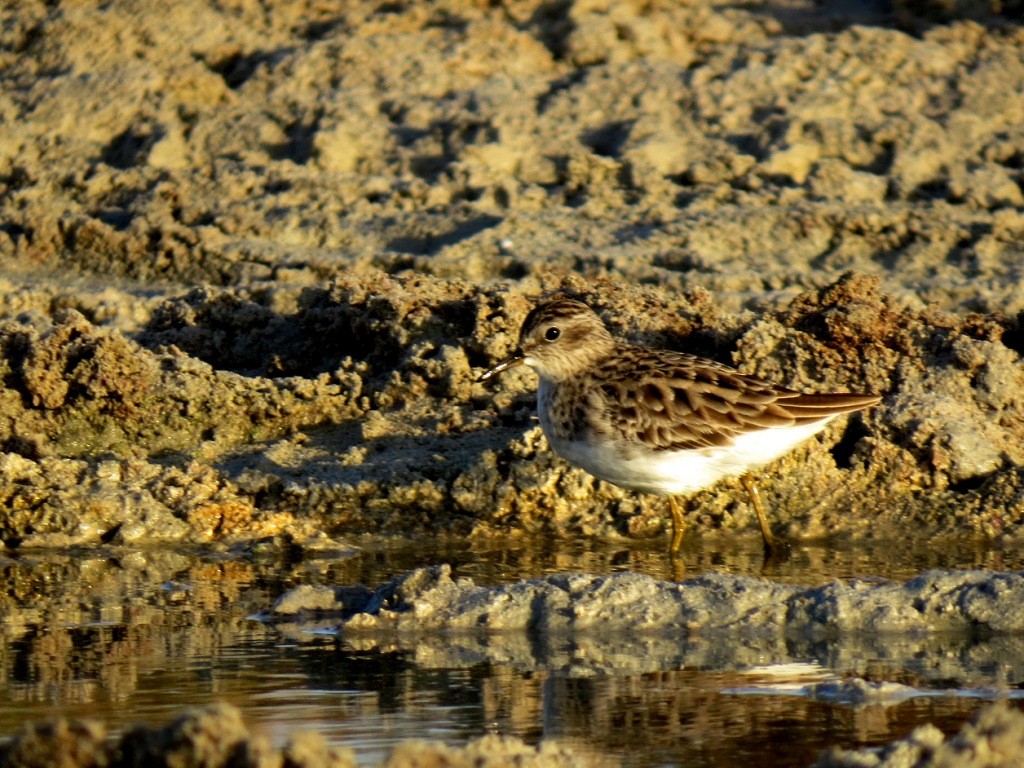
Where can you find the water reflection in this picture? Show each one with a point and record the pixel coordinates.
(682, 718)
(890, 557)
(138, 635)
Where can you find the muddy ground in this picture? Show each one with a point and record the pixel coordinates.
(253, 265)
(253, 257)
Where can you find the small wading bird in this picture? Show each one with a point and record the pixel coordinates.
(655, 420)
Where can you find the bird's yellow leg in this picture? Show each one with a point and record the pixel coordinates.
(678, 525)
(755, 498)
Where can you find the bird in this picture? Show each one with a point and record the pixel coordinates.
(657, 420)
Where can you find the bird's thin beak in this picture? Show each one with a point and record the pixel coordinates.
(504, 365)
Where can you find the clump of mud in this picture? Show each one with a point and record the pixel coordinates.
(995, 738)
(428, 600)
(216, 736)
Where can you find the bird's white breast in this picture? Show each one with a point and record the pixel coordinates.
(631, 465)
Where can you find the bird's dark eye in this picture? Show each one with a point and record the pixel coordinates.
(552, 333)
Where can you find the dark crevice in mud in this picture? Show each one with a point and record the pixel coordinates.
(684, 262)
(969, 484)
(558, 86)
(322, 28)
(237, 68)
(609, 139)
(28, 448)
(117, 218)
(130, 147)
(1013, 336)
(515, 270)
(551, 24)
(243, 336)
(108, 536)
(298, 146)
(881, 163)
(430, 244)
(843, 451)
(479, 359)
(327, 330)
(936, 189)
(429, 166)
(395, 263)
(703, 342)
(15, 231)
(458, 316)
(813, 18)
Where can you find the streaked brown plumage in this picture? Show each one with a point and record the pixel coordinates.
(657, 420)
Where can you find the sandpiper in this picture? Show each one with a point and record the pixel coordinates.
(656, 420)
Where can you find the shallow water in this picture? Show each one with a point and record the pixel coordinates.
(137, 636)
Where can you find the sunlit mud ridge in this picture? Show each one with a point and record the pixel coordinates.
(183, 432)
(965, 622)
(429, 599)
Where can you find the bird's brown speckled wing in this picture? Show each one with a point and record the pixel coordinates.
(673, 401)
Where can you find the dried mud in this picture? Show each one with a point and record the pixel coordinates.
(429, 600)
(251, 262)
(334, 242)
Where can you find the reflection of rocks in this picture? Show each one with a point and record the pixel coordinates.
(95, 630)
(580, 709)
(938, 628)
(927, 661)
(83, 629)
(861, 693)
